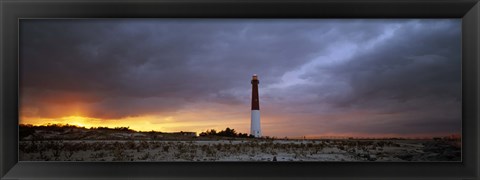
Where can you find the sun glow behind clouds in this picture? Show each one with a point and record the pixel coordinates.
(192, 120)
(140, 123)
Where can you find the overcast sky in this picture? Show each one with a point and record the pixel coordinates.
(317, 77)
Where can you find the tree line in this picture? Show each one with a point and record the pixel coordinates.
(225, 133)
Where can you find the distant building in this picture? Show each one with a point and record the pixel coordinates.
(181, 133)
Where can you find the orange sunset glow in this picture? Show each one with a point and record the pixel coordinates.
(180, 121)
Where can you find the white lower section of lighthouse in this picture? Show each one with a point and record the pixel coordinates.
(255, 124)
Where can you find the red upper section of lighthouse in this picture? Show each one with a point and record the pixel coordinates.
(255, 99)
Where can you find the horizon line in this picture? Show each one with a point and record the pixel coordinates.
(305, 137)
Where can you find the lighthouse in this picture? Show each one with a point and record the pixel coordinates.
(255, 121)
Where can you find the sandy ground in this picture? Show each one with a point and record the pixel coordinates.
(240, 150)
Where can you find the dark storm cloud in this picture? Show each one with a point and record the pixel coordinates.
(120, 68)
(414, 74)
(421, 61)
(190, 60)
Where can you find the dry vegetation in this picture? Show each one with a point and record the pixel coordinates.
(232, 149)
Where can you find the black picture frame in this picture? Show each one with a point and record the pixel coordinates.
(12, 10)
